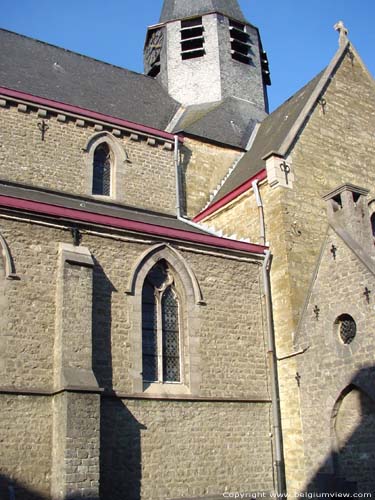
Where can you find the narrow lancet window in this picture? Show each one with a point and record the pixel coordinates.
(171, 333)
(160, 327)
(102, 166)
(149, 333)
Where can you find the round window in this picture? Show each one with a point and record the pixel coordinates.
(347, 328)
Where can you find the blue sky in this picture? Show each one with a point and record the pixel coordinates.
(298, 35)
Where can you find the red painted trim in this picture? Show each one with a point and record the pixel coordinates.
(68, 108)
(116, 222)
(260, 176)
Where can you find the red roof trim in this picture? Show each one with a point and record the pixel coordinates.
(260, 176)
(68, 108)
(116, 222)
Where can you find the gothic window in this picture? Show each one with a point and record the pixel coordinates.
(192, 39)
(102, 170)
(160, 326)
(373, 224)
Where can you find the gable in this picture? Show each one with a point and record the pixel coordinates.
(279, 132)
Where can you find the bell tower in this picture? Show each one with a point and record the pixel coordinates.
(204, 51)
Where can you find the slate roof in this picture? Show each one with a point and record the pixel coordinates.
(93, 206)
(179, 9)
(230, 121)
(269, 138)
(51, 72)
(58, 74)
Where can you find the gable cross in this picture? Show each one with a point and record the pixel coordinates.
(343, 32)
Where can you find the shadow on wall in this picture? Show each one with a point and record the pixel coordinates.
(120, 452)
(120, 432)
(350, 467)
(101, 327)
(13, 490)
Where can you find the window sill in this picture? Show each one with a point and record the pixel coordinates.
(105, 197)
(165, 389)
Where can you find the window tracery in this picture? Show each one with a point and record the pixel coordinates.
(161, 343)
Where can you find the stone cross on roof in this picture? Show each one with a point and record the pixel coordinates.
(343, 31)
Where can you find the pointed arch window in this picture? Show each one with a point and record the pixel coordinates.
(102, 170)
(373, 224)
(161, 344)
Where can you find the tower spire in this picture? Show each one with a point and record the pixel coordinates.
(205, 51)
(180, 9)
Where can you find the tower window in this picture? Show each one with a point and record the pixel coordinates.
(102, 166)
(192, 39)
(160, 326)
(265, 68)
(240, 42)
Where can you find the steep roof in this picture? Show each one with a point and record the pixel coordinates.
(179, 9)
(277, 133)
(230, 121)
(44, 70)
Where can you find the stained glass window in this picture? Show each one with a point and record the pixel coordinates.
(101, 181)
(160, 327)
(149, 334)
(171, 341)
(347, 328)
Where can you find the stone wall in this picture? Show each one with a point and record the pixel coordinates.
(243, 209)
(329, 368)
(203, 166)
(171, 449)
(26, 445)
(61, 161)
(28, 324)
(335, 146)
(232, 365)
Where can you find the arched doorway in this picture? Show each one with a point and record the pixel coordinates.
(354, 429)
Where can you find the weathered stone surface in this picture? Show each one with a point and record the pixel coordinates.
(26, 444)
(61, 163)
(336, 146)
(232, 365)
(329, 367)
(171, 449)
(202, 166)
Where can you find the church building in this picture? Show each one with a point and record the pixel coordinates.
(187, 281)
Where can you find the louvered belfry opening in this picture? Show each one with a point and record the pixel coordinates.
(192, 39)
(240, 42)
